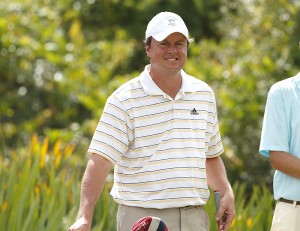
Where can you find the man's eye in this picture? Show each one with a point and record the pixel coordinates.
(163, 44)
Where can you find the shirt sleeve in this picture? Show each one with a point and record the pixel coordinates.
(215, 146)
(112, 135)
(274, 136)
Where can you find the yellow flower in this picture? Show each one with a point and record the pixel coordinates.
(249, 222)
(4, 206)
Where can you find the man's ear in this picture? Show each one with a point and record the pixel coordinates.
(148, 50)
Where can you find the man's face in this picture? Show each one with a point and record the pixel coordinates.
(171, 53)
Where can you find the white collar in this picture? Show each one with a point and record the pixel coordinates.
(151, 88)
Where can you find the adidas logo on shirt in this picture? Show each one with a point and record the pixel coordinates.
(194, 112)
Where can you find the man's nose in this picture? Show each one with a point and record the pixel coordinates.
(172, 49)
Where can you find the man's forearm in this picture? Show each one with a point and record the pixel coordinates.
(216, 174)
(286, 163)
(92, 185)
(217, 180)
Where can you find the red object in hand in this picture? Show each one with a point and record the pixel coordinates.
(150, 224)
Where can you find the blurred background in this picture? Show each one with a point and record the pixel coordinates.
(60, 60)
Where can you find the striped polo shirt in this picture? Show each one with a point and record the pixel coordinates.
(159, 145)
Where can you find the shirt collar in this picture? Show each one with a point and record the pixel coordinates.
(151, 88)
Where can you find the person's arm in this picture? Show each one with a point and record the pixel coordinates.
(286, 163)
(91, 188)
(217, 180)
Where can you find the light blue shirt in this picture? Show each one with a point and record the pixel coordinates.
(281, 132)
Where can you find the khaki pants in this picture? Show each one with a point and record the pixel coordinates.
(191, 218)
(286, 217)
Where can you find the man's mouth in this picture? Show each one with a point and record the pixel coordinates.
(171, 59)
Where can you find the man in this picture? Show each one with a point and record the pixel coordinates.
(280, 140)
(160, 131)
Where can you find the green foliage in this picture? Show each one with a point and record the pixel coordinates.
(31, 194)
(35, 50)
(40, 189)
(58, 61)
(256, 51)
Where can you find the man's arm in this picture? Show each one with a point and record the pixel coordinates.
(93, 181)
(217, 180)
(286, 163)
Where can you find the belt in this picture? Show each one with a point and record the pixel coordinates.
(289, 201)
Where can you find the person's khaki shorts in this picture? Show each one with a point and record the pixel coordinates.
(189, 218)
(286, 217)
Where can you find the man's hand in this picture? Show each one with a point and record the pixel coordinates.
(80, 225)
(217, 180)
(226, 212)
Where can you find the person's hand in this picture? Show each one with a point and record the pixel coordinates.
(80, 225)
(226, 212)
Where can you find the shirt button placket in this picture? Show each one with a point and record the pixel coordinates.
(174, 109)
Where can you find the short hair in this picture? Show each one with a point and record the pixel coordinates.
(147, 41)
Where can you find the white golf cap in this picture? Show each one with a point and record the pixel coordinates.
(164, 24)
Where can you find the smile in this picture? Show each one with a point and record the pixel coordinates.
(172, 59)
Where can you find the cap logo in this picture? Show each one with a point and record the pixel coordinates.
(172, 22)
